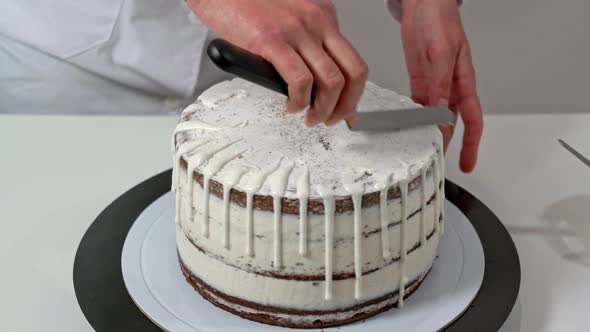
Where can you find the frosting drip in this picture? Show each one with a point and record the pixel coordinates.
(329, 208)
(303, 193)
(403, 187)
(278, 183)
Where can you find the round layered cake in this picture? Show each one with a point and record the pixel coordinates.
(303, 227)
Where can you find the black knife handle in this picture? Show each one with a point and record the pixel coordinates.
(247, 65)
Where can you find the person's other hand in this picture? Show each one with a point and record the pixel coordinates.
(302, 40)
(440, 68)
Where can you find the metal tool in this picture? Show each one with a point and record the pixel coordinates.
(256, 69)
(574, 152)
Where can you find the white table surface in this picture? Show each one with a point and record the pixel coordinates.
(57, 173)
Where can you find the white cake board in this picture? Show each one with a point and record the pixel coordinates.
(154, 281)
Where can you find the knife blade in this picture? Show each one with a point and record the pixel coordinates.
(256, 69)
(386, 120)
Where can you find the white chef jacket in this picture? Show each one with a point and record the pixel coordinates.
(103, 56)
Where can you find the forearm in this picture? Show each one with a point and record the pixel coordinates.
(396, 7)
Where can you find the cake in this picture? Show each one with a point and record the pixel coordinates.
(303, 227)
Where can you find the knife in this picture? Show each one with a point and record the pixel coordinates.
(574, 152)
(256, 69)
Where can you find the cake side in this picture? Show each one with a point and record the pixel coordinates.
(305, 320)
(286, 295)
(302, 253)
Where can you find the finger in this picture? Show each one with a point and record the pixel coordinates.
(448, 129)
(294, 71)
(355, 71)
(328, 79)
(447, 134)
(442, 64)
(469, 108)
(472, 118)
(416, 66)
(419, 89)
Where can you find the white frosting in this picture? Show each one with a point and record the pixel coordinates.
(239, 134)
(298, 294)
(262, 125)
(309, 319)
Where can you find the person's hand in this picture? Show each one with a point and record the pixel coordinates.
(302, 40)
(440, 68)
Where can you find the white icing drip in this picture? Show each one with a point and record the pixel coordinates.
(182, 149)
(232, 179)
(278, 183)
(212, 168)
(249, 224)
(226, 192)
(173, 182)
(329, 207)
(195, 161)
(205, 224)
(403, 187)
(198, 124)
(402, 291)
(303, 193)
(252, 187)
(423, 205)
(218, 163)
(185, 126)
(436, 180)
(383, 186)
(194, 124)
(356, 191)
(441, 163)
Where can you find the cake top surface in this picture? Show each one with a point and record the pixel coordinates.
(240, 134)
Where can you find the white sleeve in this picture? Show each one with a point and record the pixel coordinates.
(395, 7)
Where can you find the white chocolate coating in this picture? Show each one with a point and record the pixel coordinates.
(239, 135)
(239, 110)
